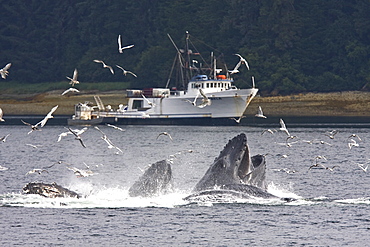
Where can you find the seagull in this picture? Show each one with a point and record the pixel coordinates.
(1, 115)
(2, 168)
(237, 120)
(71, 89)
(77, 137)
(33, 127)
(104, 65)
(39, 171)
(330, 168)
(3, 139)
(148, 101)
(260, 113)
(283, 127)
(332, 134)
(355, 135)
(194, 101)
(115, 127)
(106, 139)
(271, 131)
(48, 116)
(316, 162)
(34, 146)
(80, 173)
(352, 143)
(205, 101)
(125, 72)
(73, 80)
(120, 48)
(4, 71)
(290, 144)
(242, 61)
(166, 134)
(362, 167)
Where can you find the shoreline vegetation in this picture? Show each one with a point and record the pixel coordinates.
(339, 104)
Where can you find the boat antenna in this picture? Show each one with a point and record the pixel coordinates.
(179, 58)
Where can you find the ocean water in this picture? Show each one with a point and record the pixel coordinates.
(331, 207)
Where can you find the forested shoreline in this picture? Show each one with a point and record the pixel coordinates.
(291, 46)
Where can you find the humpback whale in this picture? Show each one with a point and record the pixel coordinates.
(48, 190)
(157, 179)
(234, 173)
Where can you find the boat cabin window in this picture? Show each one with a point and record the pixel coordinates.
(137, 104)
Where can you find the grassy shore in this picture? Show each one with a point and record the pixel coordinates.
(309, 104)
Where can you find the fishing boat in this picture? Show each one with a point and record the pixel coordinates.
(208, 97)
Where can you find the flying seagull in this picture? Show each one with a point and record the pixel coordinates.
(71, 89)
(48, 116)
(125, 72)
(104, 65)
(237, 120)
(73, 80)
(1, 115)
(4, 71)
(242, 61)
(283, 127)
(115, 127)
(3, 139)
(33, 127)
(166, 134)
(260, 113)
(148, 101)
(120, 48)
(205, 101)
(77, 137)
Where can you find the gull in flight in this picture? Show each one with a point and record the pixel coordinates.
(48, 116)
(352, 143)
(355, 135)
(237, 120)
(1, 115)
(104, 65)
(77, 131)
(205, 101)
(2, 168)
(283, 127)
(77, 137)
(34, 146)
(194, 101)
(109, 142)
(363, 168)
(39, 171)
(316, 163)
(242, 61)
(3, 139)
(81, 173)
(71, 89)
(4, 71)
(260, 113)
(73, 80)
(148, 101)
(271, 131)
(120, 48)
(115, 127)
(33, 127)
(165, 134)
(125, 72)
(332, 134)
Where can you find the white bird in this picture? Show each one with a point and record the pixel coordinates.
(77, 137)
(120, 48)
(271, 131)
(106, 139)
(194, 101)
(237, 120)
(4, 71)
(260, 113)
(355, 135)
(3, 139)
(2, 168)
(1, 115)
(104, 65)
(48, 116)
(205, 101)
(331, 134)
(148, 101)
(34, 146)
(81, 173)
(115, 127)
(242, 61)
(71, 89)
(352, 143)
(33, 127)
(39, 171)
(77, 131)
(283, 127)
(166, 134)
(125, 72)
(73, 80)
(362, 167)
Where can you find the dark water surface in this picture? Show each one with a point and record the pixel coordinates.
(332, 207)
